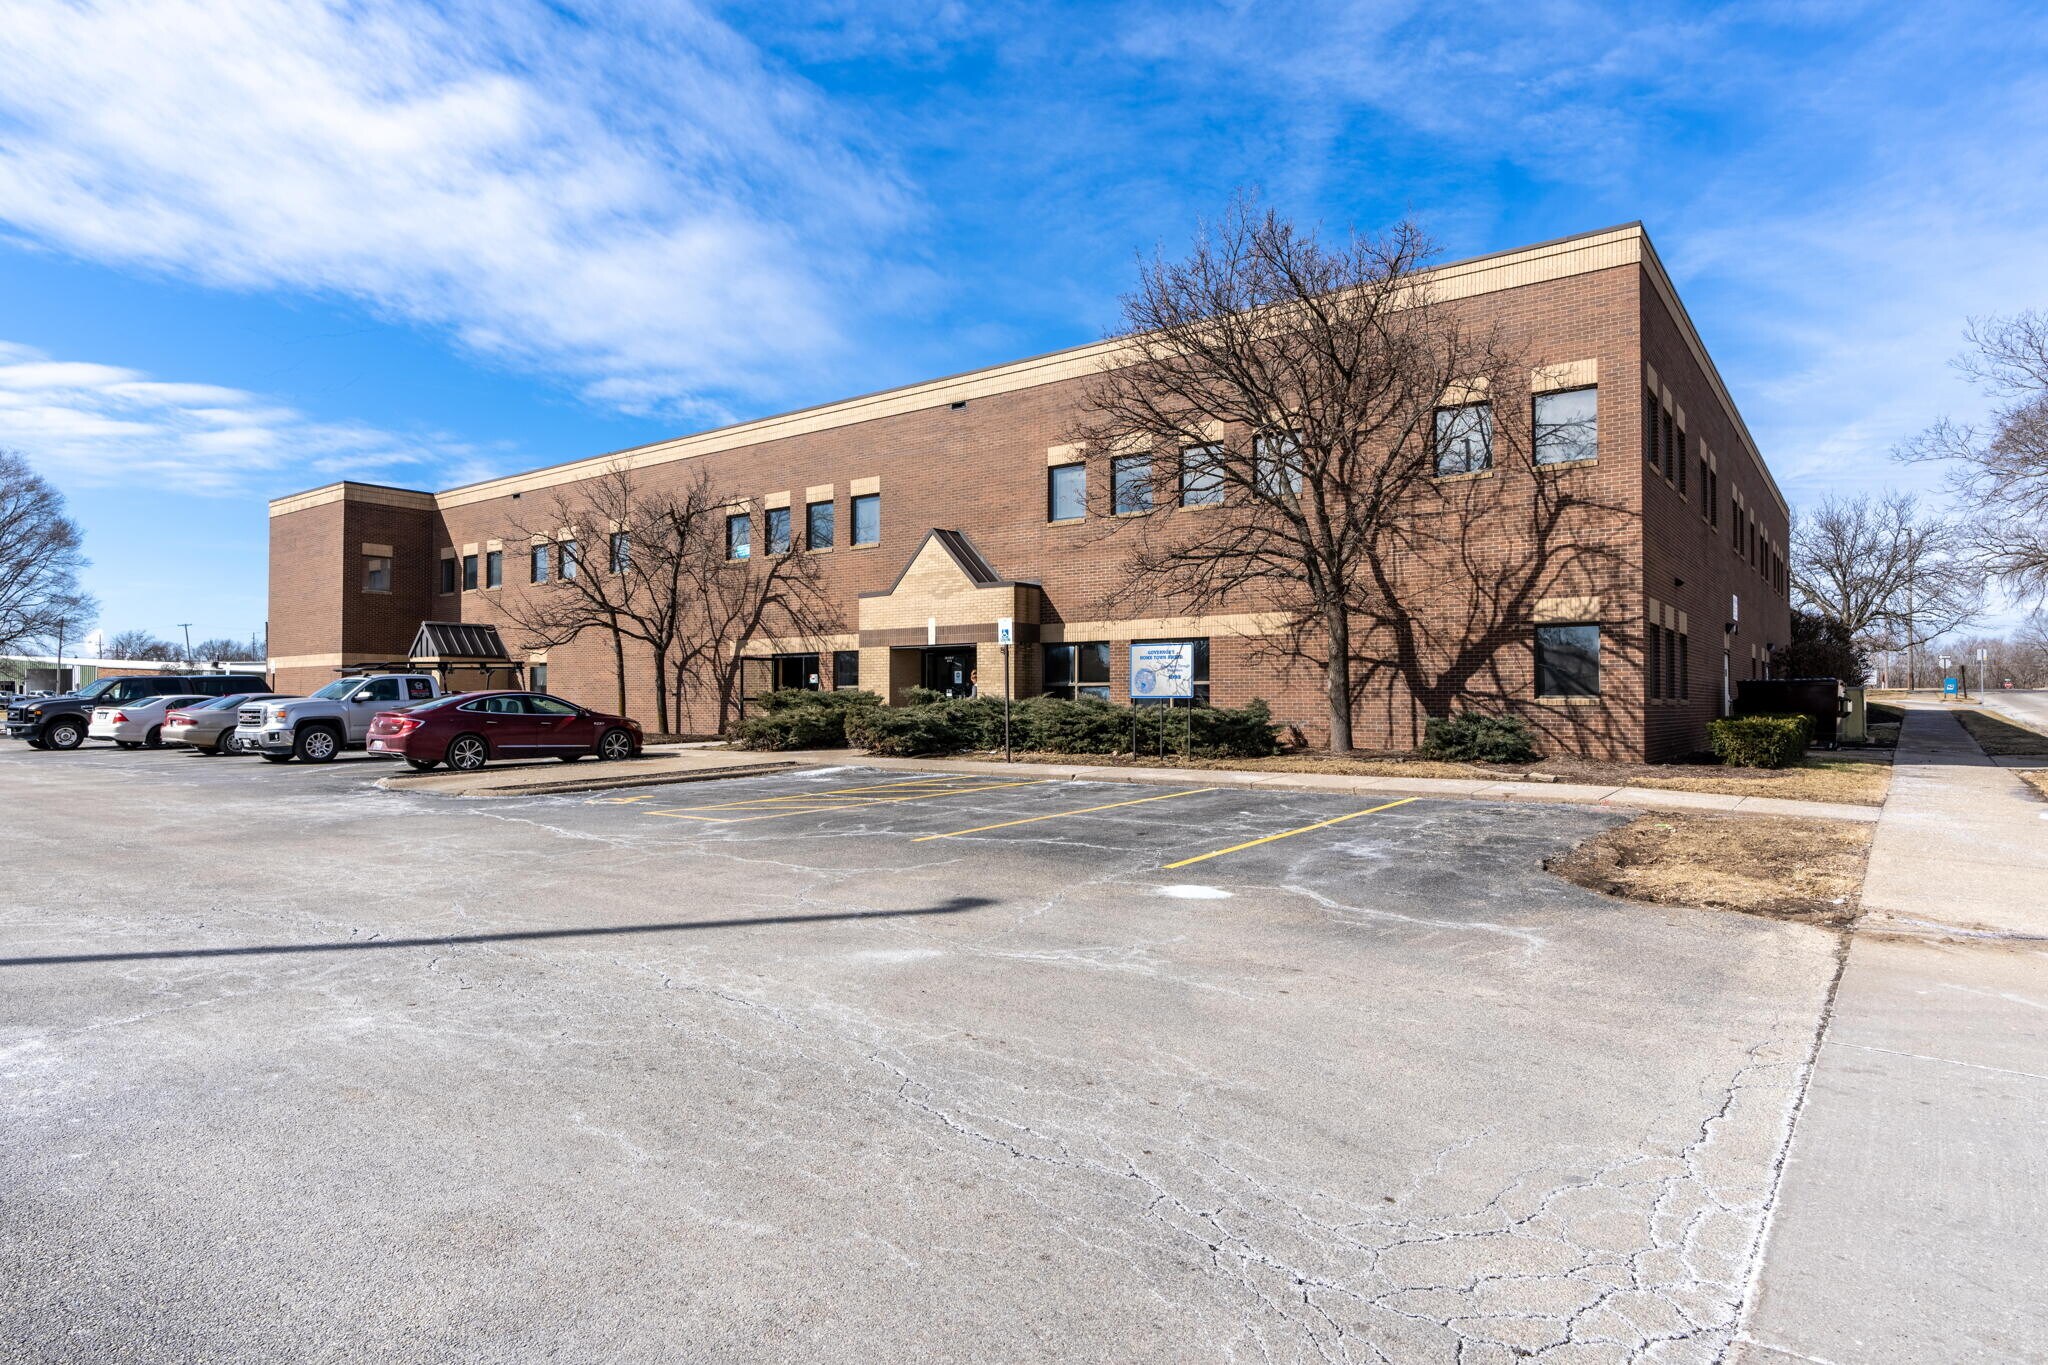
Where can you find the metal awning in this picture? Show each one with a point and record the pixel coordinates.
(459, 641)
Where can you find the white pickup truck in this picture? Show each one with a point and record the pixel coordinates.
(337, 717)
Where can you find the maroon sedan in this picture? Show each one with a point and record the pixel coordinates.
(469, 730)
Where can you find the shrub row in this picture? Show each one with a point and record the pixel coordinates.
(930, 723)
(1471, 737)
(1760, 741)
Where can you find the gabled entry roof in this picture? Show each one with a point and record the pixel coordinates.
(459, 640)
(961, 551)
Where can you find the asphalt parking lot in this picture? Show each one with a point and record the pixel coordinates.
(851, 1065)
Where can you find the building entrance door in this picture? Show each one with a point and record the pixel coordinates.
(950, 670)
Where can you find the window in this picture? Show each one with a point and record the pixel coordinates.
(418, 689)
(1568, 661)
(778, 530)
(469, 573)
(1464, 439)
(1670, 441)
(1276, 465)
(1075, 671)
(1683, 461)
(538, 571)
(572, 559)
(739, 536)
(448, 574)
(1713, 486)
(1654, 657)
(796, 672)
(621, 551)
(382, 689)
(494, 569)
(1130, 484)
(1684, 665)
(1201, 477)
(1567, 426)
(818, 526)
(548, 706)
(1653, 425)
(1066, 492)
(376, 573)
(845, 668)
(1200, 676)
(1671, 664)
(537, 677)
(867, 519)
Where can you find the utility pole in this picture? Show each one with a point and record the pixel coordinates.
(186, 626)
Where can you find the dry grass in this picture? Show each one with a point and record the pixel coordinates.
(1810, 871)
(2037, 778)
(1999, 737)
(1849, 781)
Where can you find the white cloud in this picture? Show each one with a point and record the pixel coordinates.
(630, 197)
(101, 424)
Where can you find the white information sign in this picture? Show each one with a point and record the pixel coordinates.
(1161, 672)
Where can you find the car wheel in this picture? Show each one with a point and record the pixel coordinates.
(423, 765)
(615, 744)
(277, 758)
(467, 753)
(65, 734)
(155, 738)
(226, 744)
(127, 744)
(316, 744)
(35, 744)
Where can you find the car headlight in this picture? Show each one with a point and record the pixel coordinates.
(35, 710)
(277, 716)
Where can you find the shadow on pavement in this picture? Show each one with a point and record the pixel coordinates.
(957, 905)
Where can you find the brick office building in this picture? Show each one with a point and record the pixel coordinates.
(950, 507)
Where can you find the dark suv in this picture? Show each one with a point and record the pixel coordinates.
(59, 722)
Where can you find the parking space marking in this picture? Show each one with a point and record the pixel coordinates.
(1058, 815)
(1287, 834)
(826, 803)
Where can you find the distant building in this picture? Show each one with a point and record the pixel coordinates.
(45, 673)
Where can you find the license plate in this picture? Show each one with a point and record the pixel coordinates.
(376, 744)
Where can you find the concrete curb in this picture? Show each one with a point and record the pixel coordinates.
(593, 784)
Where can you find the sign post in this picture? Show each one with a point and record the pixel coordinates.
(1162, 671)
(1006, 635)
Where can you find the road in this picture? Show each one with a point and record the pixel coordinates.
(851, 1066)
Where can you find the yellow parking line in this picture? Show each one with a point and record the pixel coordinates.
(817, 808)
(863, 793)
(1289, 833)
(1058, 815)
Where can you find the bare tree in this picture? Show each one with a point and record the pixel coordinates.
(40, 560)
(1999, 470)
(220, 648)
(657, 573)
(1292, 390)
(142, 645)
(1895, 577)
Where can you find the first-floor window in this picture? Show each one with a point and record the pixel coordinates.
(1198, 674)
(469, 573)
(494, 569)
(739, 536)
(778, 530)
(1656, 661)
(1464, 439)
(796, 673)
(867, 519)
(1075, 671)
(1684, 665)
(1568, 661)
(376, 573)
(845, 668)
(818, 526)
(448, 574)
(537, 677)
(539, 566)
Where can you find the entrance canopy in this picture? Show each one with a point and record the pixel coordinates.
(451, 649)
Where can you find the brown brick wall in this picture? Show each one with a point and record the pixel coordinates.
(1481, 558)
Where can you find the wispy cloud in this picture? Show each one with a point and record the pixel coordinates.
(103, 424)
(623, 194)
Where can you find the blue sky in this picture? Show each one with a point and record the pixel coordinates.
(249, 248)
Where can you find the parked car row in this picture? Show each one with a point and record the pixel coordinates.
(406, 716)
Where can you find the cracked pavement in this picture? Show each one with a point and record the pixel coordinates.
(292, 1068)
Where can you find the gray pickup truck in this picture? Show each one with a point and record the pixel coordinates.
(337, 717)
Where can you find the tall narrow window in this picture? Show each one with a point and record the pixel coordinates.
(1276, 462)
(537, 677)
(1670, 442)
(1568, 661)
(739, 535)
(494, 569)
(1567, 426)
(621, 551)
(1653, 426)
(448, 569)
(867, 519)
(1714, 496)
(778, 530)
(818, 526)
(537, 571)
(1201, 477)
(1684, 665)
(1682, 460)
(1464, 439)
(572, 558)
(469, 573)
(1066, 492)
(1654, 656)
(1130, 484)
(376, 573)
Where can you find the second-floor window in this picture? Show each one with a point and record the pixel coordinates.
(1130, 484)
(1201, 477)
(1066, 492)
(1276, 461)
(622, 551)
(739, 535)
(469, 573)
(818, 526)
(539, 569)
(1567, 426)
(494, 569)
(448, 571)
(376, 573)
(778, 530)
(867, 519)
(1464, 439)
(572, 559)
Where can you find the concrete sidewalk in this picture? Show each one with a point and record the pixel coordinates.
(1912, 1218)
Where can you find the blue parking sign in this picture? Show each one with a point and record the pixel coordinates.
(1950, 687)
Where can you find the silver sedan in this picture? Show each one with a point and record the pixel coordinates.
(209, 725)
(132, 724)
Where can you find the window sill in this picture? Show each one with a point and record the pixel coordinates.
(1200, 506)
(870, 545)
(1466, 477)
(1072, 521)
(376, 592)
(1568, 464)
(1568, 701)
(1141, 512)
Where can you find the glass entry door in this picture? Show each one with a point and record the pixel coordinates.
(950, 670)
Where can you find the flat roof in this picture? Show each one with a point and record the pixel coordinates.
(1561, 257)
